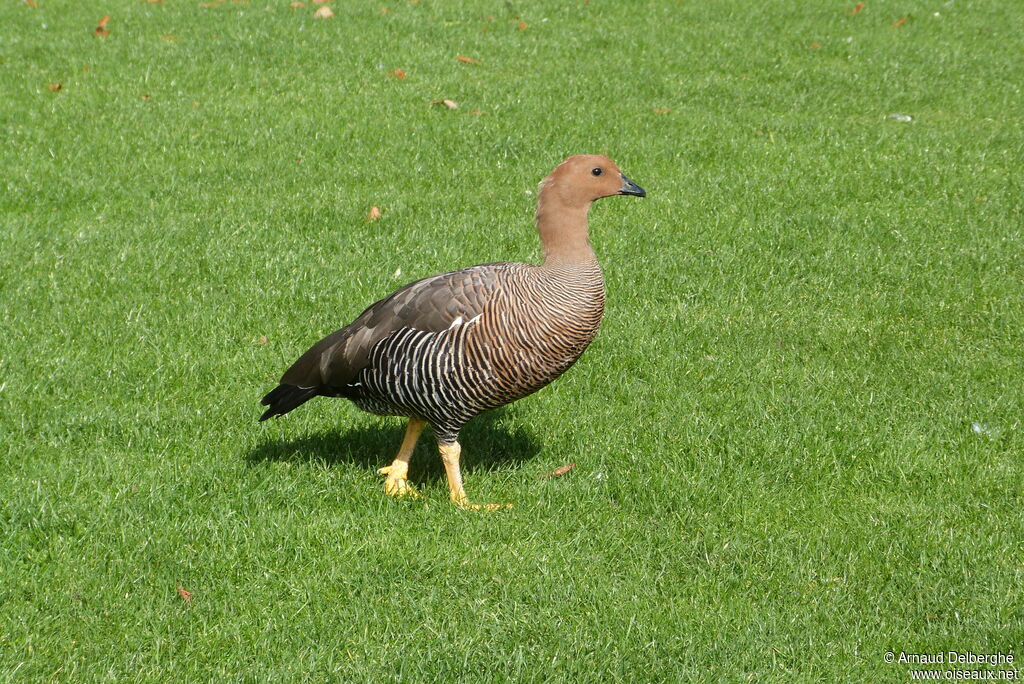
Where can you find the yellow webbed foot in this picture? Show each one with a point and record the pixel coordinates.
(450, 454)
(463, 503)
(397, 482)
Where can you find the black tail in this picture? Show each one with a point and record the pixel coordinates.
(284, 398)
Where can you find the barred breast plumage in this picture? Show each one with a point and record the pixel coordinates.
(444, 349)
(535, 324)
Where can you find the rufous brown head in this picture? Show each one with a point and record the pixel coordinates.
(583, 178)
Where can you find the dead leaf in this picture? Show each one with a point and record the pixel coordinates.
(661, 110)
(262, 340)
(31, 3)
(324, 12)
(398, 73)
(857, 8)
(154, 2)
(144, 96)
(170, 37)
(55, 87)
(385, 10)
(815, 45)
(85, 68)
(374, 214)
(467, 60)
(321, 2)
(522, 26)
(297, 5)
(450, 104)
(900, 22)
(185, 595)
(476, 111)
(101, 30)
(558, 472)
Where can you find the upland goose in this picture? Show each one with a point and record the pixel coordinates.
(447, 348)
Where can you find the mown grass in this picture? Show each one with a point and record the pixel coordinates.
(797, 437)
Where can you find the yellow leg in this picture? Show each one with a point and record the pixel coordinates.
(397, 482)
(450, 454)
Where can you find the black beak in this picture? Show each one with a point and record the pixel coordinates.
(631, 188)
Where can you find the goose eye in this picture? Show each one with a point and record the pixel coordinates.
(597, 171)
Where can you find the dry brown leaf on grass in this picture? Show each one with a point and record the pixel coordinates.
(397, 73)
(31, 3)
(450, 104)
(186, 596)
(321, 2)
(324, 12)
(297, 5)
(467, 60)
(558, 472)
(522, 26)
(815, 45)
(54, 87)
(170, 37)
(374, 214)
(900, 22)
(661, 110)
(857, 8)
(262, 340)
(101, 30)
(144, 96)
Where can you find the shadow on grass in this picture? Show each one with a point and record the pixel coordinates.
(486, 445)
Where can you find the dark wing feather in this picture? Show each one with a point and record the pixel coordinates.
(430, 304)
(284, 398)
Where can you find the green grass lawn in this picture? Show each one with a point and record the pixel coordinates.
(798, 436)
